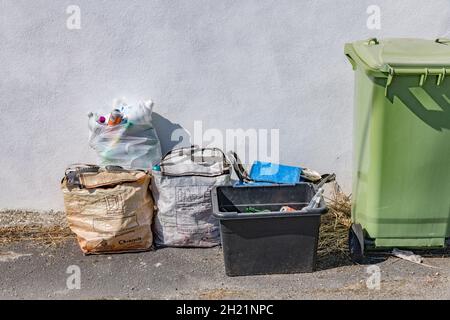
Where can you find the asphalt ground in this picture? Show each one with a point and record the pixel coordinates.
(33, 270)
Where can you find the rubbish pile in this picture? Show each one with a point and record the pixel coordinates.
(268, 220)
(135, 199)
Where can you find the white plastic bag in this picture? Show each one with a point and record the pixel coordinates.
(132, 144)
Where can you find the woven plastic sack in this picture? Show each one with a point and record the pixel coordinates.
(133, 144)
(182, 193)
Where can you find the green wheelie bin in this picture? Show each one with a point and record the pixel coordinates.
(401, 165)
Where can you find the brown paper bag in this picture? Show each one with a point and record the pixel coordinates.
(109, 211)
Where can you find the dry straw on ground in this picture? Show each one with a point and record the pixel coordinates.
(48, 228)
(335, 224)
(46, 235)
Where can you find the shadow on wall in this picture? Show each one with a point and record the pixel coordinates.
(171, 135)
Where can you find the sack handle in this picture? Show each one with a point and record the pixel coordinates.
(191, 149)
(238, 167)
(83, 168)
(73, 172)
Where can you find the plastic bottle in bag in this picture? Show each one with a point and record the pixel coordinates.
(131, 143)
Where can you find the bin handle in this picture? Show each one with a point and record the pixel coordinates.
(442, 41)
(372, 41)
(353, 62)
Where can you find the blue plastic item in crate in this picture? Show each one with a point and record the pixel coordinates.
(275, 173)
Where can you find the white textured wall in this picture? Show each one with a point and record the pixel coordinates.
(232, 64)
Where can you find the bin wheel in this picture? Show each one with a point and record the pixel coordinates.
(355, 244)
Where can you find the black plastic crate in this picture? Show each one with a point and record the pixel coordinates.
(267, 242)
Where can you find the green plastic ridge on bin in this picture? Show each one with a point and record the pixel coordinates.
(401, 174)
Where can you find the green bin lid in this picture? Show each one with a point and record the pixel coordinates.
(381, 55)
